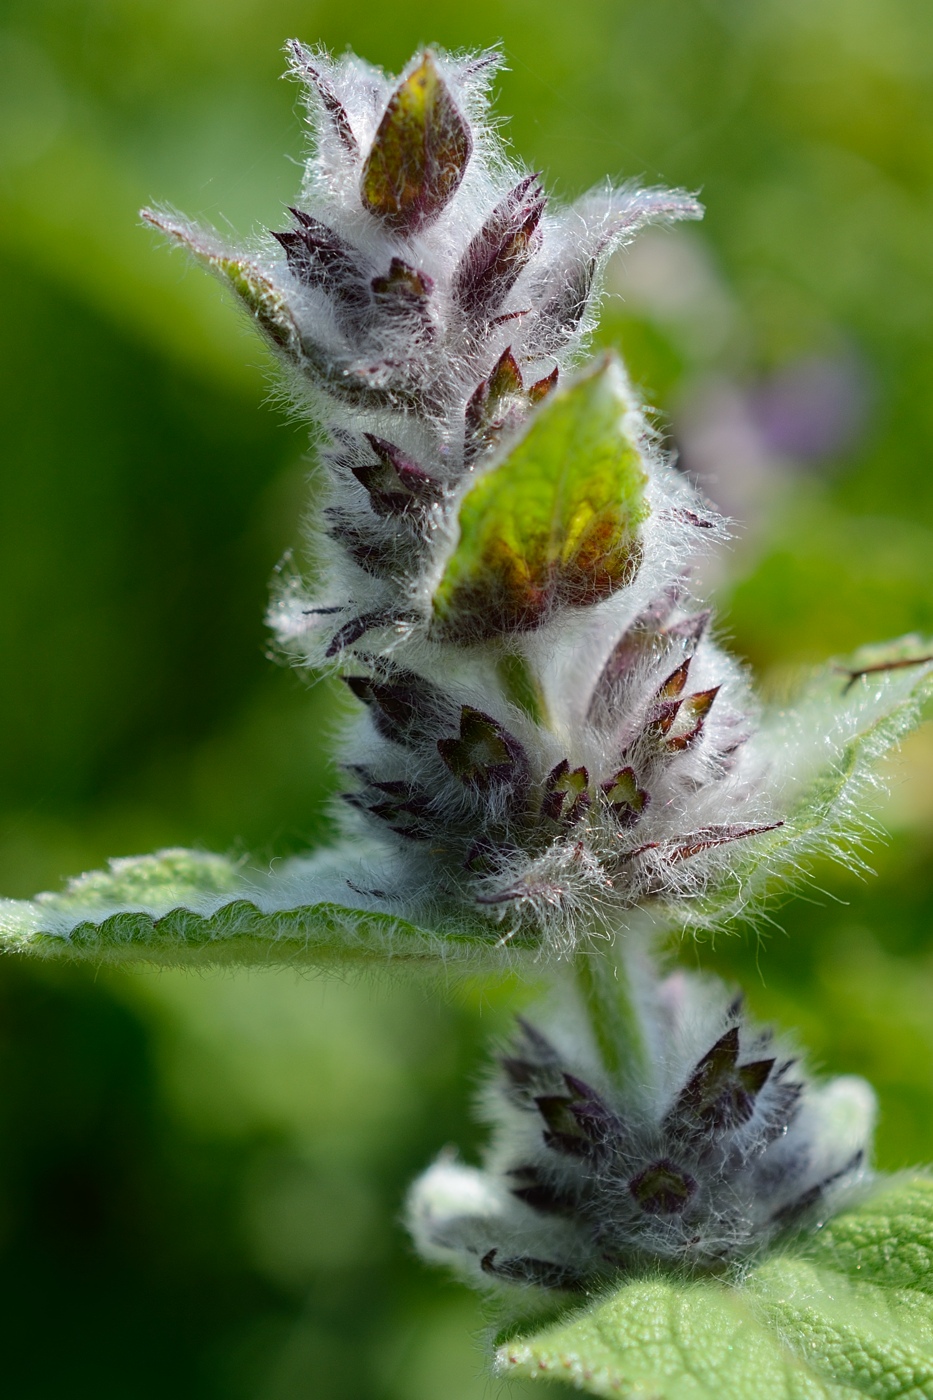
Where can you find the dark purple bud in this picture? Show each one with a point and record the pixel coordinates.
(403, 294)
(303, 65)
(563, 1134)
(625, 797)
(544, 1196)
(419, 155)
(566, 796)
(489, 405)
(720, 1095)
(351, 631)
(403, 807)
(318, 257)
(687, 724)
(537, 1271)
(663, 1188)
(484, 755)
(396, 484)
(590, 1113)
(496, 255)
(674, 685)
(405, 708)
(661, 719)
(542, 387)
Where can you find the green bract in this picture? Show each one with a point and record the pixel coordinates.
(555, 522)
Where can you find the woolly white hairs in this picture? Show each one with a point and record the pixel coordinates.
(552, 735)
(727, 1148)
(545, 746)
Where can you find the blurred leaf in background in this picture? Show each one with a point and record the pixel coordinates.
(200, 1177)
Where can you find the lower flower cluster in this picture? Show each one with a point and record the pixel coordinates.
(585, 1180)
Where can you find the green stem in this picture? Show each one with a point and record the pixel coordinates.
(522, 686)
(605, 984)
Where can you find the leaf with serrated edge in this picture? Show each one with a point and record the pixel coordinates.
(830, 737)
(185, 907)
(555, 521)
(846, 1312)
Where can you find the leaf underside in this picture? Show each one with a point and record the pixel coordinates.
(848, 1313)
(189, 907)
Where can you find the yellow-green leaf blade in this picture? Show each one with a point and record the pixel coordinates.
(553, 523)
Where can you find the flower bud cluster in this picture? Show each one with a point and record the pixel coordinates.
(728, 1148)
(549, 733)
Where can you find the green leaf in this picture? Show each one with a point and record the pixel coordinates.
(848, 1312)
(420, 152)
(555, 521)
(188, 907)
(826, 741)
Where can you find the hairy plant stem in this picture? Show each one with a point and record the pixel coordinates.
(605, 983)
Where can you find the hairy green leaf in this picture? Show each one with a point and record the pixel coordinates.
(188, 907)
(829, 738)
(847, 1312)
(555, 521)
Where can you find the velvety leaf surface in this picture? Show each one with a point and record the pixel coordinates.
(184, 907)
(849, 1312)
(839, 723)
(555, 521)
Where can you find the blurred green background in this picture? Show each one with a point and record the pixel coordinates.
(201, 1177)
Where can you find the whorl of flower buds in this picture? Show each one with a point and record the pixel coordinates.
(549, 729)
(731, 1148)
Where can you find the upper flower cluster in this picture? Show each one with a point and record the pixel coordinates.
(504, 556)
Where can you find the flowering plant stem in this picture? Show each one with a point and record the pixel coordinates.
(553, 765)
(614, 1015)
